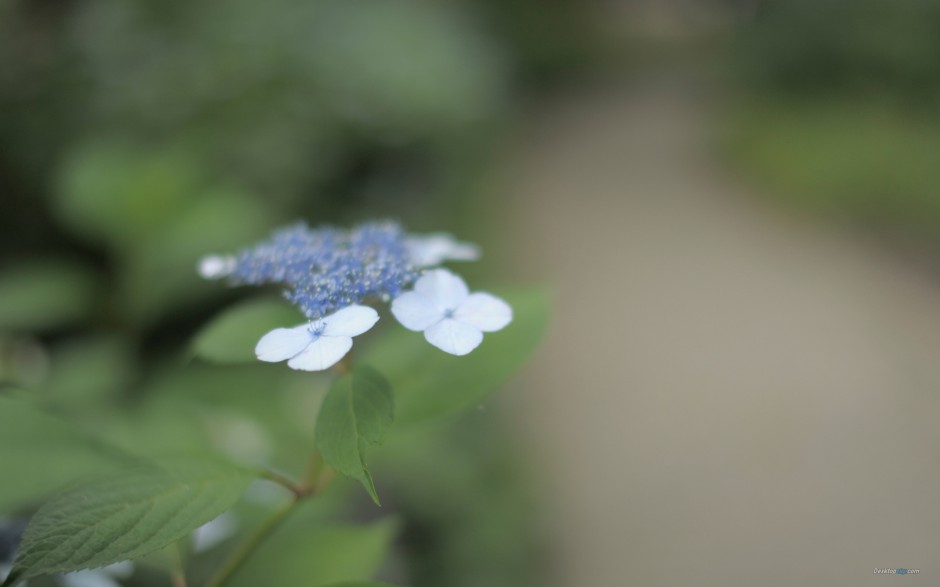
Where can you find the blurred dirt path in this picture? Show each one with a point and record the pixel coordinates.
(729, 396)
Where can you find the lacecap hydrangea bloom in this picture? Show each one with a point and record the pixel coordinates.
(332, 275)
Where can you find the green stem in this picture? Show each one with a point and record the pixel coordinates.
(178, 573)
(314, 482)
(299, 490)
(248, 548)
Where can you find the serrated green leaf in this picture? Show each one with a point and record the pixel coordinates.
(430, 384)
(232, 335)
(44, 295)
(131, 513)
(40, 454)
(355, 413)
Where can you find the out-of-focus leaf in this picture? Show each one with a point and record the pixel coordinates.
(39, 454)
(44, 295)
(404, 65)
(161, 272)
(355, 413)
(231, 336)
(252, 413)
(89, 371)
(319, 554)
(129, 514)
(360, 584)
(429, 383)
(122, 195)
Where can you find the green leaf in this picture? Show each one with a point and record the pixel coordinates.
(129, 514)
(431, 384)
(40, 454)
(124, 194)
(231, 336)
(320, 553)
(360, 584)
(355, 413)
(89, 372)
(161, 273)
(44, 295)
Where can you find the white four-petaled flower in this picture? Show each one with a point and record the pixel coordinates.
(452, 318)
(318, 345)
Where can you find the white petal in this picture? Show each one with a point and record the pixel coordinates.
(446, 290)
(451, 336)
(283, 343)
(215, 266)
(350, 321)
(121, 570)
(89, 578)
(433, 249)
(485, 311)
(322, 353)
(214, 532)
(415, 311)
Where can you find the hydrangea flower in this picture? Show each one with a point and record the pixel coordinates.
(329, 273)
(318, 345)
(324, 269)
(452, 318)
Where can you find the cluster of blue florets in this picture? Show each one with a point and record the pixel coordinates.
(326, 269)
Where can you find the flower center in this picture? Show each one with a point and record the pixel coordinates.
(316, 329)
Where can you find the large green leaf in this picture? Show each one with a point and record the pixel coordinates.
(40, 454)
(355, 413)
(135, 511)
(429, 383)
(231, 337)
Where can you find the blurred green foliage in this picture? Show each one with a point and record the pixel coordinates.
(836, 110)
(863, 162)
(828, 47)
(136, 137)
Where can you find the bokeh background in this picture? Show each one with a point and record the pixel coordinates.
(736, 205)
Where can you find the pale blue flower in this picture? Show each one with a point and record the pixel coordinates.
(318, 345)
(452, 318)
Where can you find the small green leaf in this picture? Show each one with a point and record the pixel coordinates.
(129, 514)
(431, 384)
(355, 413)
(40, 454)
(231, 337)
